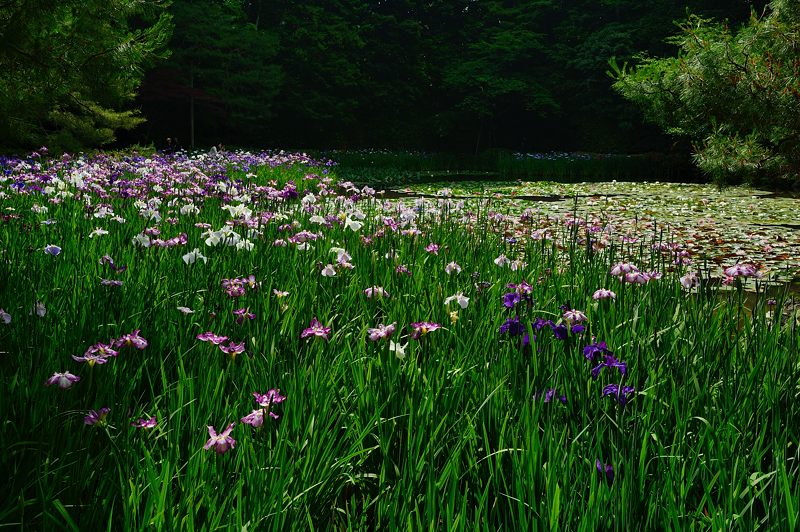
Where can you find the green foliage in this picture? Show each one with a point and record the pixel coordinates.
(450, 436)
(736, 94)
(222, 69)
(71, 67)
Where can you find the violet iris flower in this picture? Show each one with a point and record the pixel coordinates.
(592, 351)
(605, 469)
(432, 248)
(512, 327)
(550, 394)
(609, 362)
(232, 348)
(603, 293)
(511, 299)
(265, 401)
(621, 393)
(242, 314)
(742, 270)
(96, 417)
(96, 354)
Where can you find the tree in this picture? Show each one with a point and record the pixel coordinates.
(736, 94)
(496, 68)
(222, 78)
(71, 68)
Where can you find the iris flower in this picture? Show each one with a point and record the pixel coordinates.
(376, 291)
(64, 380)
(742, 270)
(233, 349)
(209, 336)
(422, 328)
(512, 327)
(243, 314)
(432, 248)
(452, 267)
(381, 332)
(143, 423)
(222, 442)
(131, 340)
(97, 417)
(605, 469)
(459, 298)
(592, 351)
(690, 280)
(603, 293)
(550, 394)
(193, 256)
(511, 299)
(502, 260)
(315, 328)
(610, 362)
(574, 316)
(621, 393)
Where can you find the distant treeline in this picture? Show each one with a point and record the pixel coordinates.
(446, 75)
(454, 75)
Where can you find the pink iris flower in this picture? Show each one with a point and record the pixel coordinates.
(222, 442)
(63, 380)
(316, 328)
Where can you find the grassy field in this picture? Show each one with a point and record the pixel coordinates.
(439, 363)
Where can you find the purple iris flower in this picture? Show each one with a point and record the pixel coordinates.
(242, 314)
(605, 469)
(592, 351)
(512, 327)
(560, 331)
(233, 349)
(609, 362)
(265, 401)
(96, 417)
(621, 393)
(52, 249)
(511, 299)
(612, 362)
(550, 394)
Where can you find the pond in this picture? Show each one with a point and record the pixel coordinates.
(725, 226)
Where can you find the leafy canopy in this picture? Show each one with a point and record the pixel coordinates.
(70, 67)
(736, 94)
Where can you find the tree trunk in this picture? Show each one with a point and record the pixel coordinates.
(191, 108)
